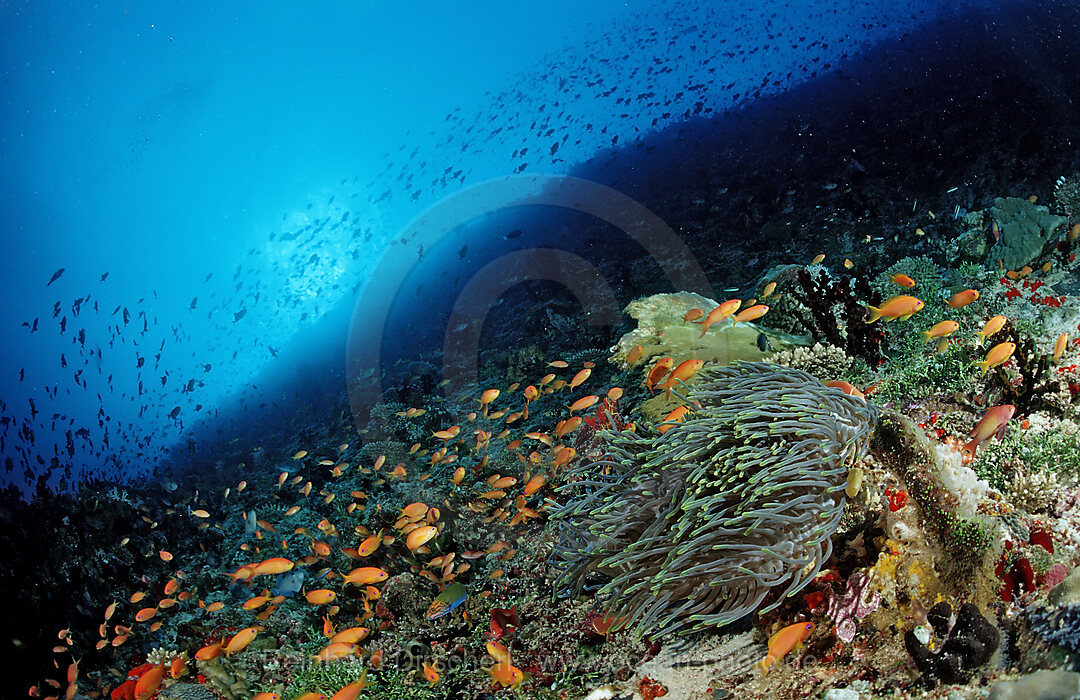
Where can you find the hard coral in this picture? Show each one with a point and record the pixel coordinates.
(696, 527)
(1036, 382)
(832, 301)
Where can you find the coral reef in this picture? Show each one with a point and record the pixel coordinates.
(900, 445)
(834, 309)
(853, 604)
(1026, 229)
(661, 331)
(826, 362)
(757, 474)
(1067, 194)
(224, 678)
(186, 691)
(962, 648)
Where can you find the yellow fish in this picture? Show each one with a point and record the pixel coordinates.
(940, 330)
(900, 307)
(992, 326)
(999, 354)
(1060, 345)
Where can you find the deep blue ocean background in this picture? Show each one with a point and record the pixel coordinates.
(215, 187)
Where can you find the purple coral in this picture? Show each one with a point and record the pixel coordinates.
(845, 608)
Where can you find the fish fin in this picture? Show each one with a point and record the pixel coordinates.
(969, 448)
(875, 314)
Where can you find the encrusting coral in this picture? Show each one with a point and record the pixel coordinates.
(694, 528)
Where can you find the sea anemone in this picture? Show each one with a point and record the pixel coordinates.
(695, 527)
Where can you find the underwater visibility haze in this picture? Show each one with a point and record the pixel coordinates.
(607, 349)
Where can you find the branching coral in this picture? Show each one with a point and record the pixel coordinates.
(835, 313)
(696, 527)
(1037, 382)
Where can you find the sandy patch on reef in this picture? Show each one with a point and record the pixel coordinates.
(693, 669)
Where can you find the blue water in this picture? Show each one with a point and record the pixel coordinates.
(225, 187)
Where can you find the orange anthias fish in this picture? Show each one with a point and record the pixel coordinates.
(272, 567)
(320, 597)
(506, 675)
(940, 330)
(352, 691)
(791, 637)
(670, 419)
(1059, 346)
(719, 314)
(991, 424)
(431, 674)
(149, 682)
(662, 367)
(365, 575)
(335, 650)
(992, 326)
(902, 280)
(900, 307)
(241, 639)
(963, 298)
(682, 373)
(584, 403)
(420, 536)
(998, 354)
(751, 314)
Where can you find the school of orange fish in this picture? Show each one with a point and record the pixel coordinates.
(504, 500)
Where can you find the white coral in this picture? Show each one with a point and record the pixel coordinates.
(1033, 491)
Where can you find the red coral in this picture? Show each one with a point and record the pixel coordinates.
(124, 691)
(1012, 294)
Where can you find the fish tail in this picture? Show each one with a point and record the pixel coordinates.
(764, 664)
(875, 314)
(926, 337)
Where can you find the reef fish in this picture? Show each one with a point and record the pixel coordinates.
(791, 637)
(939, 330)
(992, 423)
(900, 307)
(719, 314)
(682, 373)
(902, 280)
(992, 326)
(999, 354)
(450, 598)
(963, 298)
